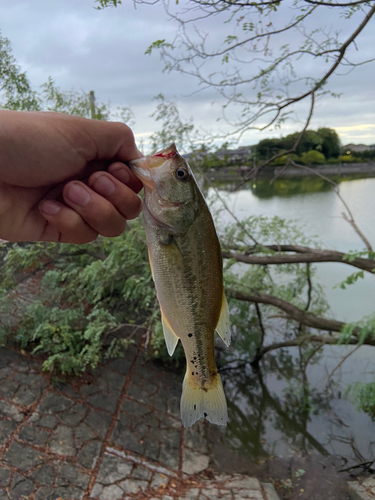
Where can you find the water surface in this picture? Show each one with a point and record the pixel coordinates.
(288, 407)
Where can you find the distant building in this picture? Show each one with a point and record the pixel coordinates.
(197, 155)
(358, 148)
(238, 154)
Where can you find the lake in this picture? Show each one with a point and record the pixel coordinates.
(288, 407)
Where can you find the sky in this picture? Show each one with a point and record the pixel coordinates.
(104, 50)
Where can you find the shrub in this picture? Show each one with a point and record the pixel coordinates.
(312, 157)
(86, 292)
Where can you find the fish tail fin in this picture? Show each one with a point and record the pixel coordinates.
(203, 402)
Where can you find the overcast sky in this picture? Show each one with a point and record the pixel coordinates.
(83, 48)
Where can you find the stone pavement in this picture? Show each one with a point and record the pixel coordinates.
(115, 436)
(362, 490)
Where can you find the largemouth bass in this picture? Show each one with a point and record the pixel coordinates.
(186, 264)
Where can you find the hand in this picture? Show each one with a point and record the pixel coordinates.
(61, 178)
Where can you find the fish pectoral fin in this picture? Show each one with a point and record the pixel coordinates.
(170, 337)
(223, 325)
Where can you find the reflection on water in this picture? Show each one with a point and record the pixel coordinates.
(289, 186)
(292, 404)
(289, 406)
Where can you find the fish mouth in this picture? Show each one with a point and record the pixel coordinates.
(145, 167)
(168, 153)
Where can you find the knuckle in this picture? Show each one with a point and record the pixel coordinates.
(127, 131)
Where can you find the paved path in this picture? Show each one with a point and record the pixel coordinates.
(115, 436)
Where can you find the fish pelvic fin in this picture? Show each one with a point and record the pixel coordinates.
(151, 265)
(170, 337)
(203, 402)
(223, 325)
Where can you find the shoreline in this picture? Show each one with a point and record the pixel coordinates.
(238, 172)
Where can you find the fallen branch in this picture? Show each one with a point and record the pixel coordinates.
(306, 318)
(304, 254)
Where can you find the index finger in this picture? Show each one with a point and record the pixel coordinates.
(112, 140)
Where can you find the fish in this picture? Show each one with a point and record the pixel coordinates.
(187, 269)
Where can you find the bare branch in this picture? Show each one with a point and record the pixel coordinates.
(342, 361)
(290, 151)
(358, 231)
(312, 256)
(344, 4)
(349, 218)
(304, 339)
(307, 319)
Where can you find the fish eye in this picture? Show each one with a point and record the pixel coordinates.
(181, 174)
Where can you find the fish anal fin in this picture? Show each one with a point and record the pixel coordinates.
(223, 325)
(208, 402)
(170, 337)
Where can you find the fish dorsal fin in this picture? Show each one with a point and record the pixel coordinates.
(223, 325)
(170, 337)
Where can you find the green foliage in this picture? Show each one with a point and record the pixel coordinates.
(350, 280)
(323, 140)
(362, 329)
(15, 89)
(17, 94)
(157, 45)
(347, 159)
(287, 281)
(312, 157)
(86, 292)
(364, 395)
(331, 144)
(107, 3)
(82, 103)
(173, 128)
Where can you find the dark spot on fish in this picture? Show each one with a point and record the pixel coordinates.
(205, 415)
(192, 373)
(195, 407)
(190, 335)
(195, 358)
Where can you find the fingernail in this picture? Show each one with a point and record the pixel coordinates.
(121, 173)
(103, 185)
(78, 195)
(50, 207)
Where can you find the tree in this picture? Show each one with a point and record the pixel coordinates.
(17, 93)
(15, 89)
(173, 128)
(102, 287)
(324, 140)
(331, 145)
(265, 60)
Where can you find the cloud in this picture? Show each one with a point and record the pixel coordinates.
(83, 48)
